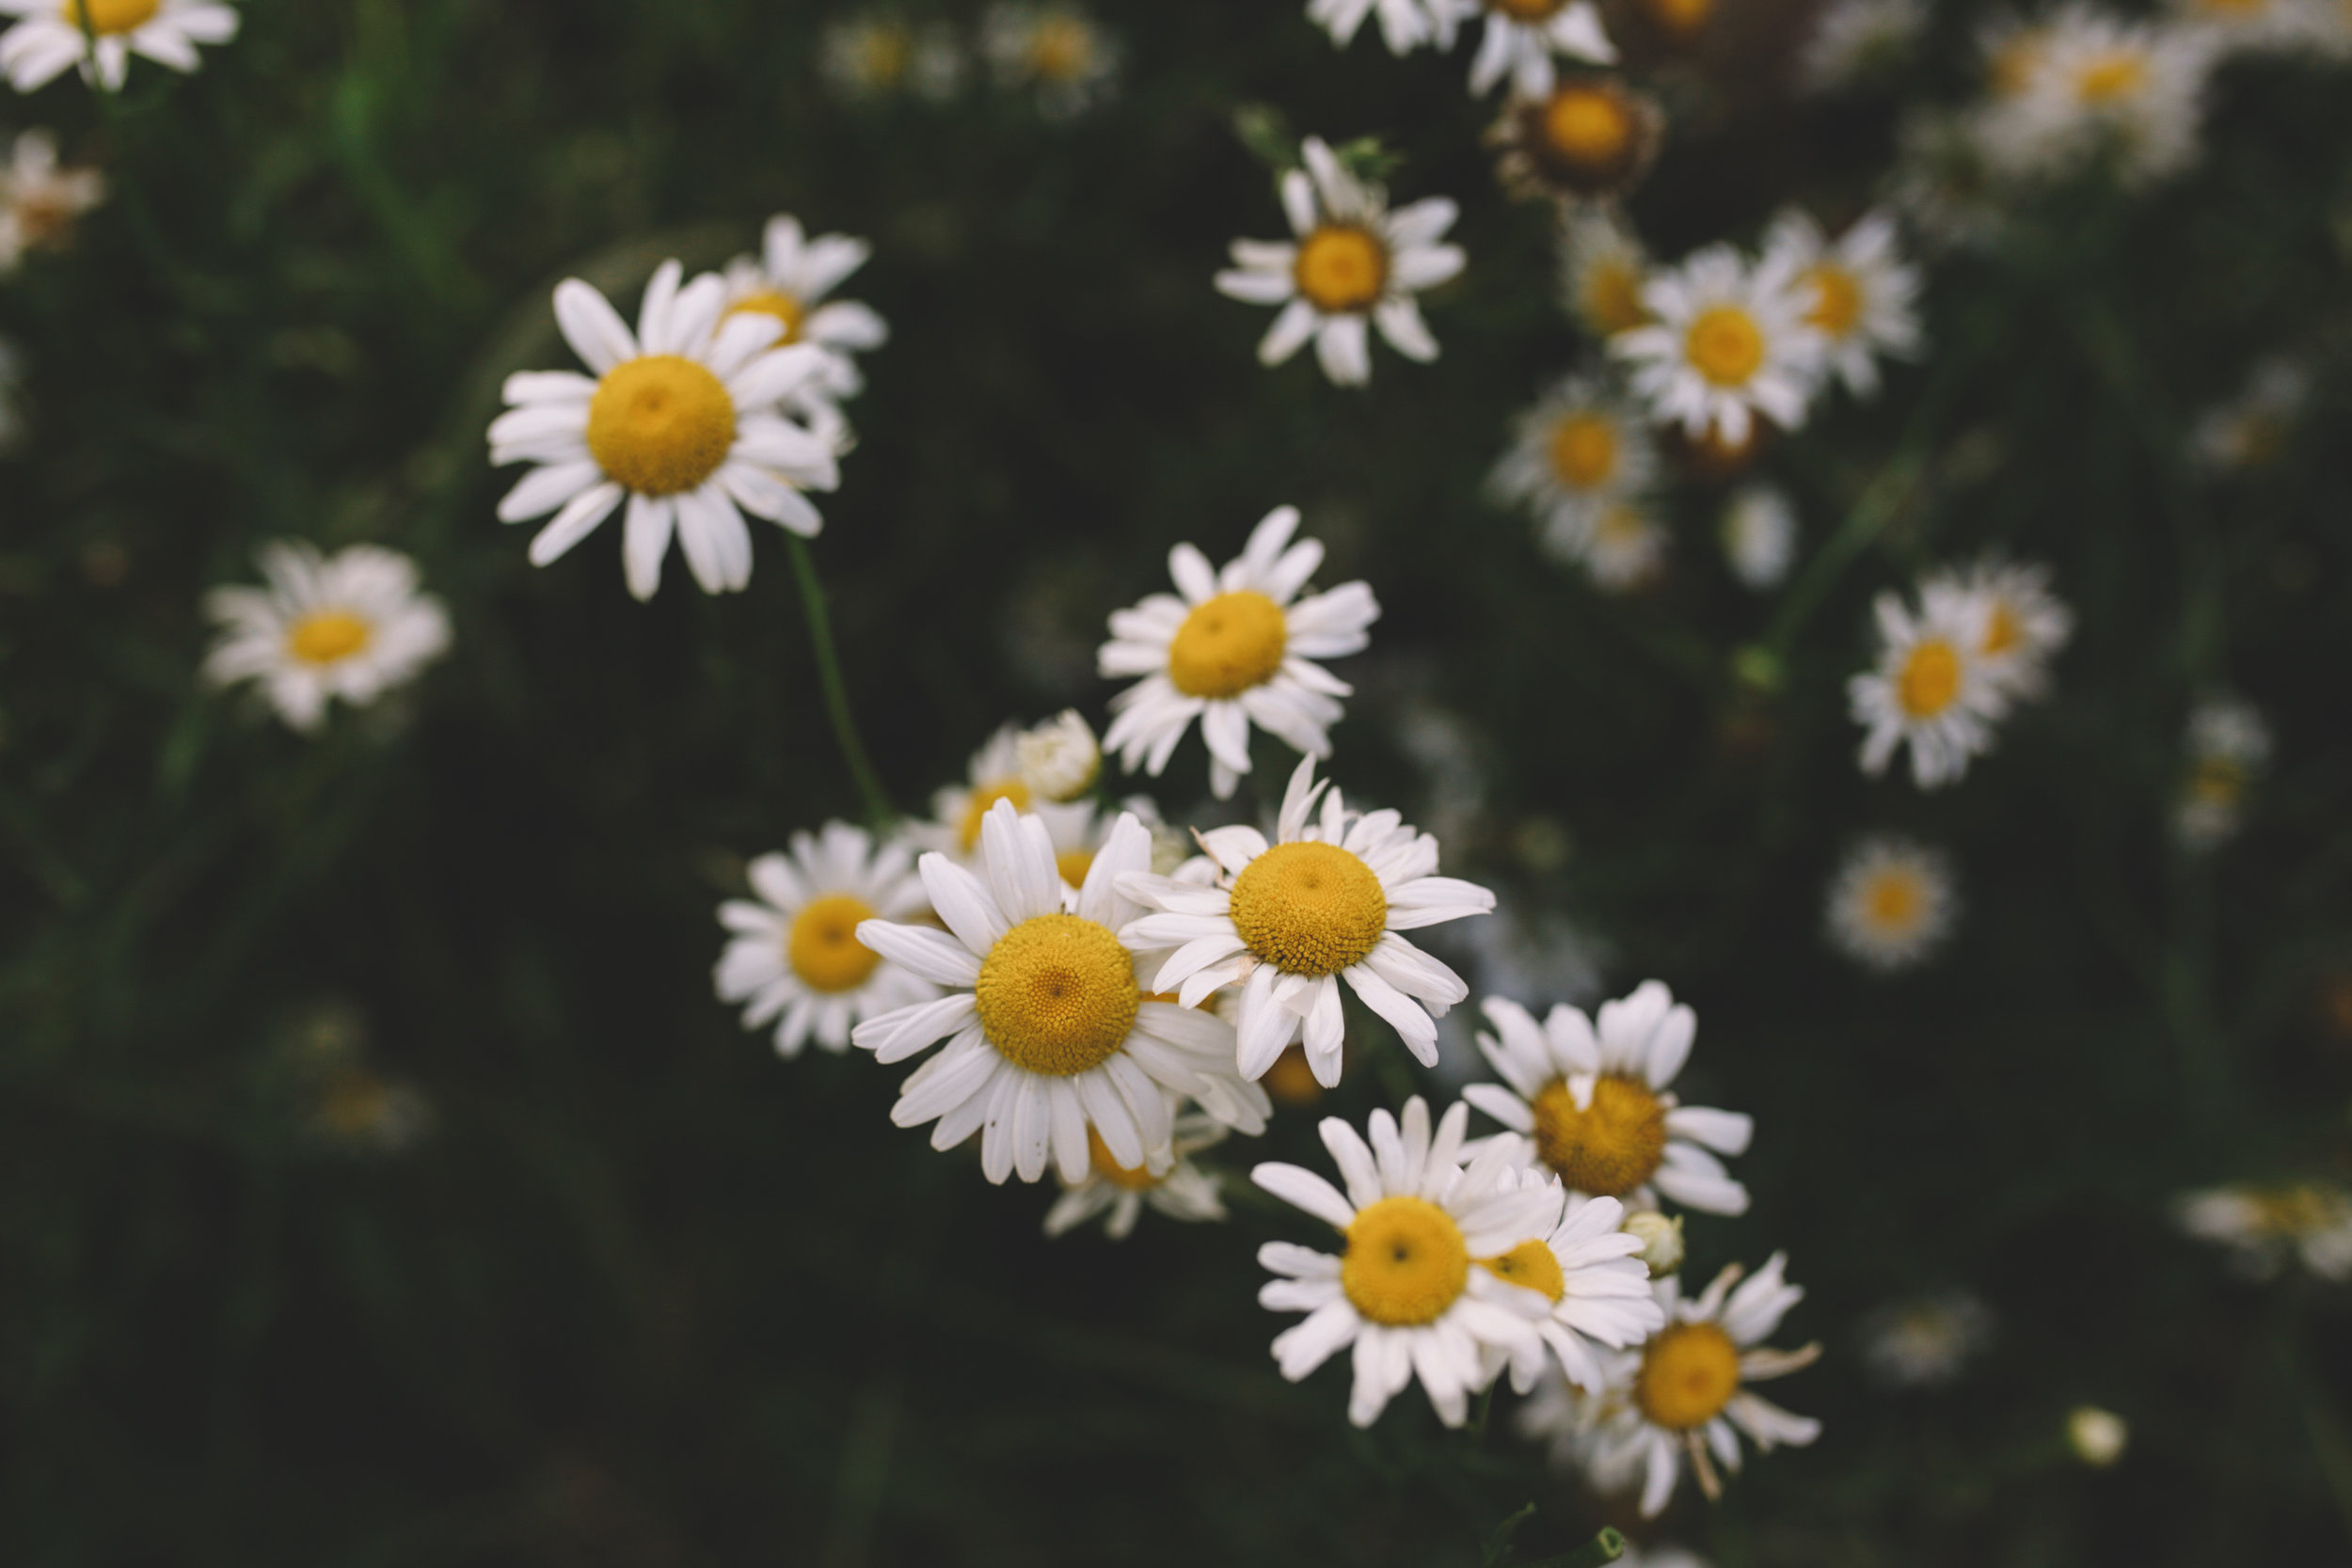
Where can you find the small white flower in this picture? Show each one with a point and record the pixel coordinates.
(1353, 260)
(1592, 1273)
(870, 55)
(1759, 535)
(1588, 1099)
(1289, 921)
(1572, 454)
(1925, 1343)
(2253, 428)
(1239, 648)
(1521, 39)
(2097, 1437)
(1622, 544)
(351, 625)
(1863, 295)
(1056, 51)
(1728, 342)
(51, 37)
(1602, 270)
(2264, 1225)
(1406, 1292)
(1117, 1193)
(1891, 903)
(679, 420)
(2228, 745)
(2025, 623)
(787, 282)
(1856, 40)
(795, 958)
(39, 201)
(1929, 689)
(1059, 759)
(2087, 82)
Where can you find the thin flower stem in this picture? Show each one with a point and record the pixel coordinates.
(877, 808)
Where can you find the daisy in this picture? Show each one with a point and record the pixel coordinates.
(788, 281)
(1925, 1343)
(869, 56)
(1577, 449)
(1891, 903)
(1863, 295)
(1759, 535)
(1588, 1099)
(1521, 39)
(1061, 759)
(1403, 1289)
(1290, 920)
(1728, 342)
(2251, 429)
(2264, 1225)
(996, 773)
(1602, 268)
(1117, 1193)
(1048, 1034)
(1586, 138)
(2228, 746)
(1929, 689)
(1591, 1273)
(1235, 651)
(101, 36)
(1353, 259)
(2025, 623)
(2092, 82)
(795, 958)
(1857, 40)
(1622, 545)
(39, 201)
(351, 625)
(1056, 50)
(1685, 1395)
(679, 420)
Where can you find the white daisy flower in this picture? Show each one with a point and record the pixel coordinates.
(1931, 688)
(1857, 40)
(1685, 1396)
(1048, 1032)
(1289, 921)
(1863, 295)
(2025, 623)
(1353, 259)
(1759, 535)
(2228, 747)
(795, 959)
(1521, 39)
(870, 55)
(351, 625)
(1116, 1194)
(1579, 448)
(2253, 428)
(1622, 546)
(2090, 81)
(1587, 141)
(39, 201)
(1591, 1273)
(679, 421)
(101, 36)
(1588, 1099)
(1602, 269)
(996, 773)
(1892, 903)
(788, 281)
(1056, 51)
(1728, 342)
(1404, 24)
(1405, 1291)
(2265, 1226)
(1927, 1342)
(1060, 758)
(1235, 651)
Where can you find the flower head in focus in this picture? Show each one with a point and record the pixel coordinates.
(1892, 903)
(101, 36)
(1729, 341)
(39, 201)
(1592, 1273)
(350, 625)
(1117, 1194)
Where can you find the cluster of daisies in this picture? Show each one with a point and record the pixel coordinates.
(1056, 55)
(1095, 995)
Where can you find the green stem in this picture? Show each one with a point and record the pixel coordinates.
(877, 807)
(1603, 1548)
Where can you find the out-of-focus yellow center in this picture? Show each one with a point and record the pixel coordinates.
(983, 796)
(1228, 645)
(354, 1103)
(1680, 19)
(1611, 1147)
(1929, 681)
(1724, 345)
(2011, 69)
(1531, 1265)
(2217, 782)
(1892, 901)
(884, 50)
(1584, 450)
(1613, 298)
(1062, 49)
(661, 424)
(1310, 908)
(1529, 11)
(1342, 268)
(1837, 299)
(1689, 1374)
(328, 637)
(1057, 995)
(105, 17)
(1073, 864)
(1588, 127)
(1622, 524)
(822, 944)
(2002, 631)
(1138, 1179)
(1291, 1081)
(2111, 77)
(1405, 1262)
(774, 302)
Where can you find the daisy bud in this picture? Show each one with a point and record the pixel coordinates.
(1060, 758)
(1171, 848)
(2097, 1437)
(1660, 1239)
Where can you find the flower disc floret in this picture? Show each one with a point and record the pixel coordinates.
(1724, 345)
(106, 17)
(1309, 907)
(1584, 450)
(982, 798)
(1127, 1179)
(1929, 680)
(1588, 127)
(789, 312)
(1608, 1147)
(822, 945)
(1341, 267)
(1057, 995)
(328, 637)
(661, 424)
(1531, 1265)
(1689, 1372)
(1405, 1262)
(1228, 645)
(1837, 300)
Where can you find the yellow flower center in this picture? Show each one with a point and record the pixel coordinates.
(776, 303)
(328, 637)
(1057, 995)
(110, 16)
(1529, 11)
(1135, 1178)
(1073, 864)
(661, 424)
(1930, 679)
(1291, 1081)
(1228, 645)
(1062, 49)
(2111, 77)
(1680, 19)
(2013, 64)
(2218, 781)
(1589, 128)
(982, 797)
(1621, 524)
(1405, 1262)
(1892, 901)
(1310, 908)
(1837, 300)
(1341, 268)
(1531, 1265)
(1724, 345)
(1584, 450)
(2290, 1210)
(1689, 1372)
(2002, 631)
(884, 51)
(1611, 1147)
(1613, 298)
(354, 1103)
(822, 944)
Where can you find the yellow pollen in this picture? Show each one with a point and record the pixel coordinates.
(2218, 781)
(110, 16)
(822, 944)
(1837, 300)
(1589, 128)
(1228, 645)
(328, 637)
(1893, 900)
(2001, 630)
(1929, 680)
(2110, 77)
(1610, 1147)
(1531, 1265)
(661, 424)
(1057, 995)
(1689, 1374)
(1405, 1262)
(1584, 450)
(1724, 345)
(982, 797)
(1137, 1178)
(776, 303)
(1341, 268)
(1613, 298)
(1061, 48)
(1073, 864)
(1310, 908)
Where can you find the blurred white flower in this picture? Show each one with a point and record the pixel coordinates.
(39, 201)
(1055, 52)
(1602, 269)
(1587, 139)
(1929, 689)
(1577, 449)
(1759, 535)
(1891, 902)
(1521, 39)
(870, 55)
(2097, 1437)
(350, 625)
(2025, 623)
(1862, 297)
(2084, 83)
(1118, 1193)
(995, 773)
(101, 36)
(787, 282)
(1661, 1236)
(1728, 341)
(2228, 745)
(2265, 26)
(2265, 1226)
(1860, 41)
(1059, 759)
(1622, 545)
(2251, 429)
(1926, 1342)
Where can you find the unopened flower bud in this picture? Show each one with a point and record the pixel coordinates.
(2098, 1437)
(1060, 758)
(1170, 848)
(1660, 1239)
